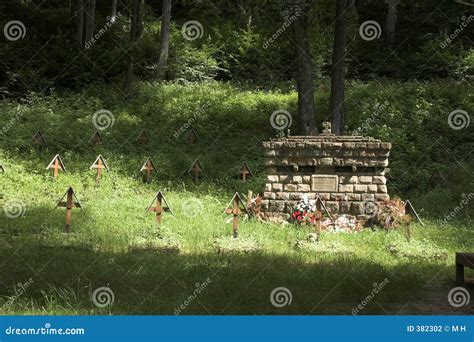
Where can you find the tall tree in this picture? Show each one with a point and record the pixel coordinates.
(89, 20)
(164, 38)
(79, 19)
(304, 71)
(391, 22)
(113, 15)
(135, 31)
(336, 102)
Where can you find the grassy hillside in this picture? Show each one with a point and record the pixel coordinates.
(115, 243)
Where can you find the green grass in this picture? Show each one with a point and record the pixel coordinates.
(115, 243)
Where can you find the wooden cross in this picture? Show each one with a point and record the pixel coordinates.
(56, 164)
(327, 127)
(38, 141)
(142, 138)
(245, 172)
(69, 204)
(320, 204)
(148, 168)
(99, 164)
(195, 169)
(233, 209)
(410, 210)
(96, 139)
(318, 215)
(192, 136)
(158, 208)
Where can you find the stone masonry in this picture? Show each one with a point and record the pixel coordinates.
(348, 173)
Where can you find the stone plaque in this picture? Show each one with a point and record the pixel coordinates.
(324, 183)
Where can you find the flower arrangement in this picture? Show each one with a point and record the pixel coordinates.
(303, 213)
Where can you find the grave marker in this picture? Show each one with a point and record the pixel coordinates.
(410, 210)
(142, 138)
(192, 136)
(245, 172)
(69, 203)
(38, 141)
(158, 208)
(233, 209)
(195, 170)
(99, 164)
(148, 168)
(96, 139)
(56, 164)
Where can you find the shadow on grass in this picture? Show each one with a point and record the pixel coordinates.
(155, 282)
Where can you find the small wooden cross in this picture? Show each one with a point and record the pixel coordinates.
(56, 164)
(96, 139)
(245, 172)
(410, 210)
(233, 209)
(192, 136)
(196, 170)
(320, 204)
(99, 164)
(142, 138)
(158, 208)
(148, 168)
(38, 141)
(318, 215)
(69, 204)
(327, 127)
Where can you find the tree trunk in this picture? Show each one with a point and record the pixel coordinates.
(89, 20)
(412, 8)
(391, 22)
(336, 102)
(79, 18)
(113, 15)
(304, 77)
(135, 30)
(164, 38)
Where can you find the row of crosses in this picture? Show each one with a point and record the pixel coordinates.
(158, 206)
(196, 170)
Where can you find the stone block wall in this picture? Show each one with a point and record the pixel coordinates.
(347, 172)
